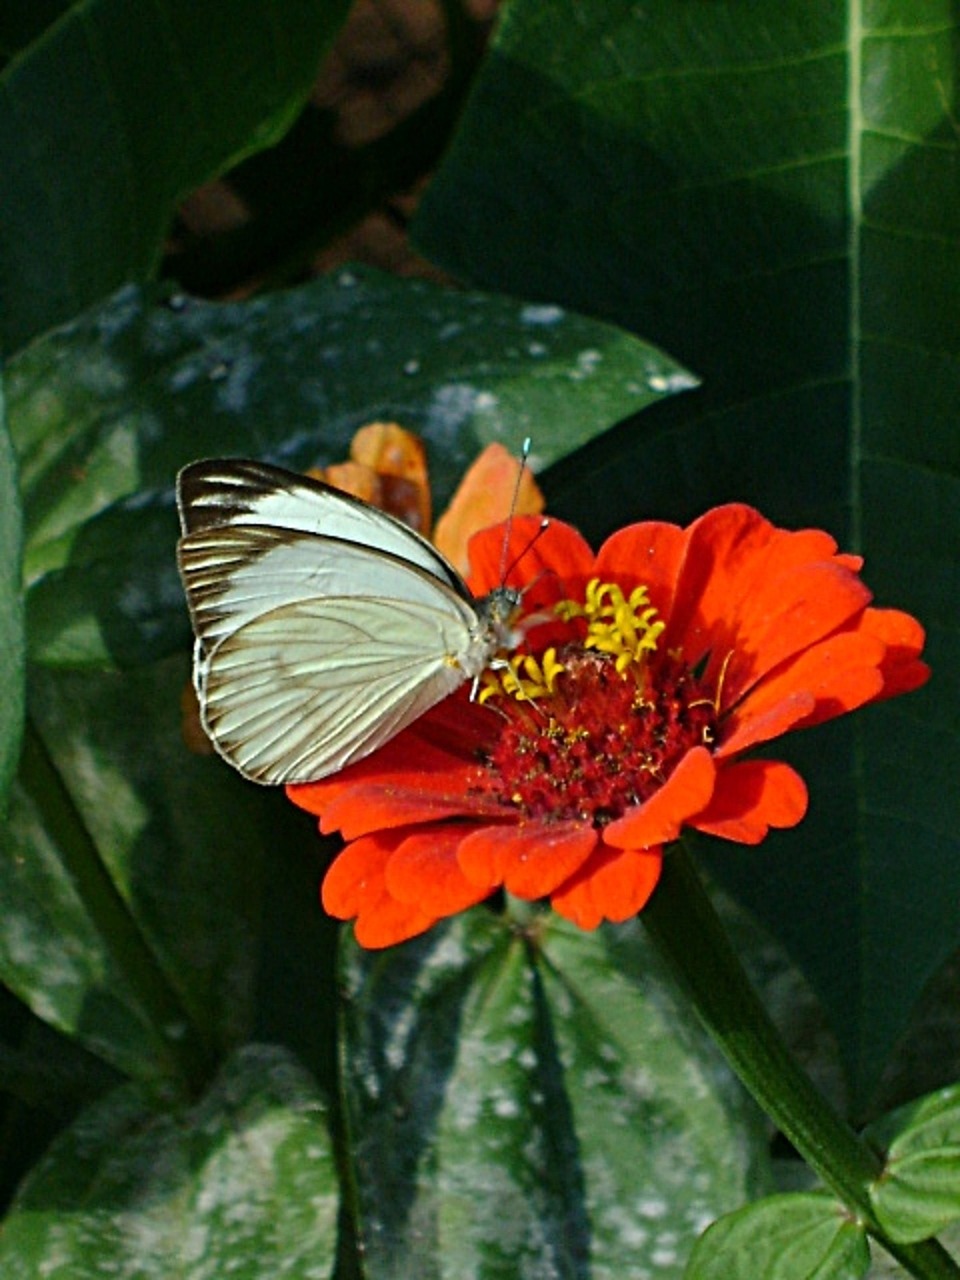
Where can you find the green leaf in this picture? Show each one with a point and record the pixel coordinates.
(22, 21)
(241, 1184)
(526, 1098)
(110, 406)
(116, 112)
(772, 194)
(132, 902)
(11, 615)
(918, 1193)
(786, 1237)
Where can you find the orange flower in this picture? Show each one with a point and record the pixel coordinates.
(648, 671)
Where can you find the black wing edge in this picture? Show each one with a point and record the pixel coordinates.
(214, 492)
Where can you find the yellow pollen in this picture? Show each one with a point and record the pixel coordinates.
(522, 677)
(625, 627)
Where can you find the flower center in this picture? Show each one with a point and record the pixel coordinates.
(599, 725)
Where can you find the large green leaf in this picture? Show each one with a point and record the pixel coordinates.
(22, 21)
(11, 614)
(132, 910)
(116, 111)
(109, 407)
(772, 193)
(524, 1098)
(242, 1183)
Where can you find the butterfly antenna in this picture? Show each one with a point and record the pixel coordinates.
(506, 569)
(531, 542)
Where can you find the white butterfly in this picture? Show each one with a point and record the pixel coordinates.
(323, 626)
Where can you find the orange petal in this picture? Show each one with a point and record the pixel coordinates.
(424, 872)
(750, 797)
(409, 766)
(649, 553)
(529, 860)
(833, 677)
(355, 886)
(378, 808)
(484, 498)
(613, 884)
(904, 637)
(659, 819)
(399, 459)
(560, 561)
(718, 547)
(785, 614)
(764, 718)
(739, 574)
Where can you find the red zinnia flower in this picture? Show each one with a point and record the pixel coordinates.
(648, 671)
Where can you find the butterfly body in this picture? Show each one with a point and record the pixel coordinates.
(323, 625)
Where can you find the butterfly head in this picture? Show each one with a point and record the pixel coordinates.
(498, 613)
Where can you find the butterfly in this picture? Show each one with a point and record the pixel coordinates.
(323, 626)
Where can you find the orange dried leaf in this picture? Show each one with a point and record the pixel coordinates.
(399, 459)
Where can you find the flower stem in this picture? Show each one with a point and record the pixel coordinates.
(688, 933)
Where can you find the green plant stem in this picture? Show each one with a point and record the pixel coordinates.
(685, 927)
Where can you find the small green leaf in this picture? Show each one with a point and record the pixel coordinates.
(11, 615)
(110, 406)
(242, 1184)
(116, 112)
(526, 1098)
(798, 1236)
(918, 1193)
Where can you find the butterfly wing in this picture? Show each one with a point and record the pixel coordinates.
(315, 684)
(232, 492)
(323, 625)
(234, 574)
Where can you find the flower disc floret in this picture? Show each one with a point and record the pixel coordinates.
(597, 729)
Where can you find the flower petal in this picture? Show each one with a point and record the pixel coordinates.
(613, 884)
(650, 553)
(840, 673)
(399, 459)
(750, 797)
(355, 886)
(484, 497)
(764, 718)
(904, 637)
(719, 548)
(380, 807)
(424, 872)
(783, 616)
(752, 595)
(530, 860)
(408, 780)
(659, 819)
(559, 556)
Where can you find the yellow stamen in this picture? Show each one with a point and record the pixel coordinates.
(522, 677)
(626, 627)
